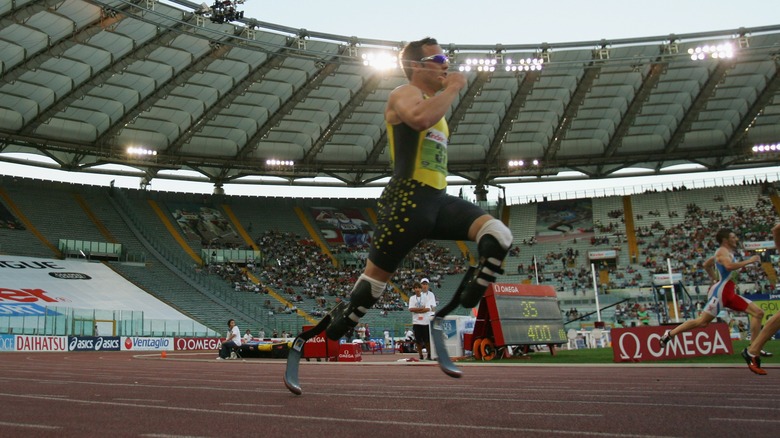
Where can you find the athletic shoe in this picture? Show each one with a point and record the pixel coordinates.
(753, 363)
(220, 358)
(765, 353)
(665, 338)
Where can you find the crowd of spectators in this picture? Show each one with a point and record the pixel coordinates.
(306, 276)
(688, 243)
(298, 269)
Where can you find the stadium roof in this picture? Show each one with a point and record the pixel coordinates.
(84, 81)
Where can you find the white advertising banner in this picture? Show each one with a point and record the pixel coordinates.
(603, 254)
(29, 285)
(758, 245)
(663, 279)
(134, 343)
(453, 328)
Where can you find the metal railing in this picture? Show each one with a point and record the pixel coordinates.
(66, 321)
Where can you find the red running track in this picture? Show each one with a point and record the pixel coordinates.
(191, 394)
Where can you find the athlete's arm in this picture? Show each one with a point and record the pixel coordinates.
(709, 268)
(407, 105)
(723, 257)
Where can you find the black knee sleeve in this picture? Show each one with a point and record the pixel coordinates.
(489, 247)
(348, 316)
(491, 255)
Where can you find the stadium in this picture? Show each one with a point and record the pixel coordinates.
(187, 92)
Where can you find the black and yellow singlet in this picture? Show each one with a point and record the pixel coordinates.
(421, 156)
(415, 205)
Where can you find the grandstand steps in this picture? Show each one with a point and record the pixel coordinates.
(105, 232)
(100, 205)
(160, 282)
(645, 207)
(522, 222)
(201, 290)
(745, 197)
(628, 214)
(145, 220)
(53, 212)
(260, 214)
(21, 241)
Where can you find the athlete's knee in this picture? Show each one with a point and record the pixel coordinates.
(493, 242)
(494, 239)
(366, 292)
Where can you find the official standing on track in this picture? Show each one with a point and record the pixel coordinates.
(419, 305)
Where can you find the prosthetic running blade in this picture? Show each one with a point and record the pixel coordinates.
(437, 333)
(296, 353)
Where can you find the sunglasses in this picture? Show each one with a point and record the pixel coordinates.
(438, 59)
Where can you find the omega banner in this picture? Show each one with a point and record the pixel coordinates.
(320, 346)
(638, 344)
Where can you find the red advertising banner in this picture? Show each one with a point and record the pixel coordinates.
(350, 353)
(320, 346)
(523, 290)
(637, 344)
(197, 343)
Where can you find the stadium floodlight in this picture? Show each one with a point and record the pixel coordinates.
(712, 51)
(380, 60)
(766, 148)
(279, 163)
(140, 152)
(479, 64)
(522, 163)
(524, 64)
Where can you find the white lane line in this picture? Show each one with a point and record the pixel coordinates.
(746, 420)
(251, 405)
(163, 435)
(556, 414)
(510, 398)
(29, 426)
(140, 400)
(360, 421)
(386, 409)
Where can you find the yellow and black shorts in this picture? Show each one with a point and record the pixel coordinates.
(410, 212)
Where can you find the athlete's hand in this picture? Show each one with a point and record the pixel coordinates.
(755, 259)
(453, 79)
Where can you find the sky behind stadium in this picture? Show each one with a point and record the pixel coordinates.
(513, 21)
(490, 22)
